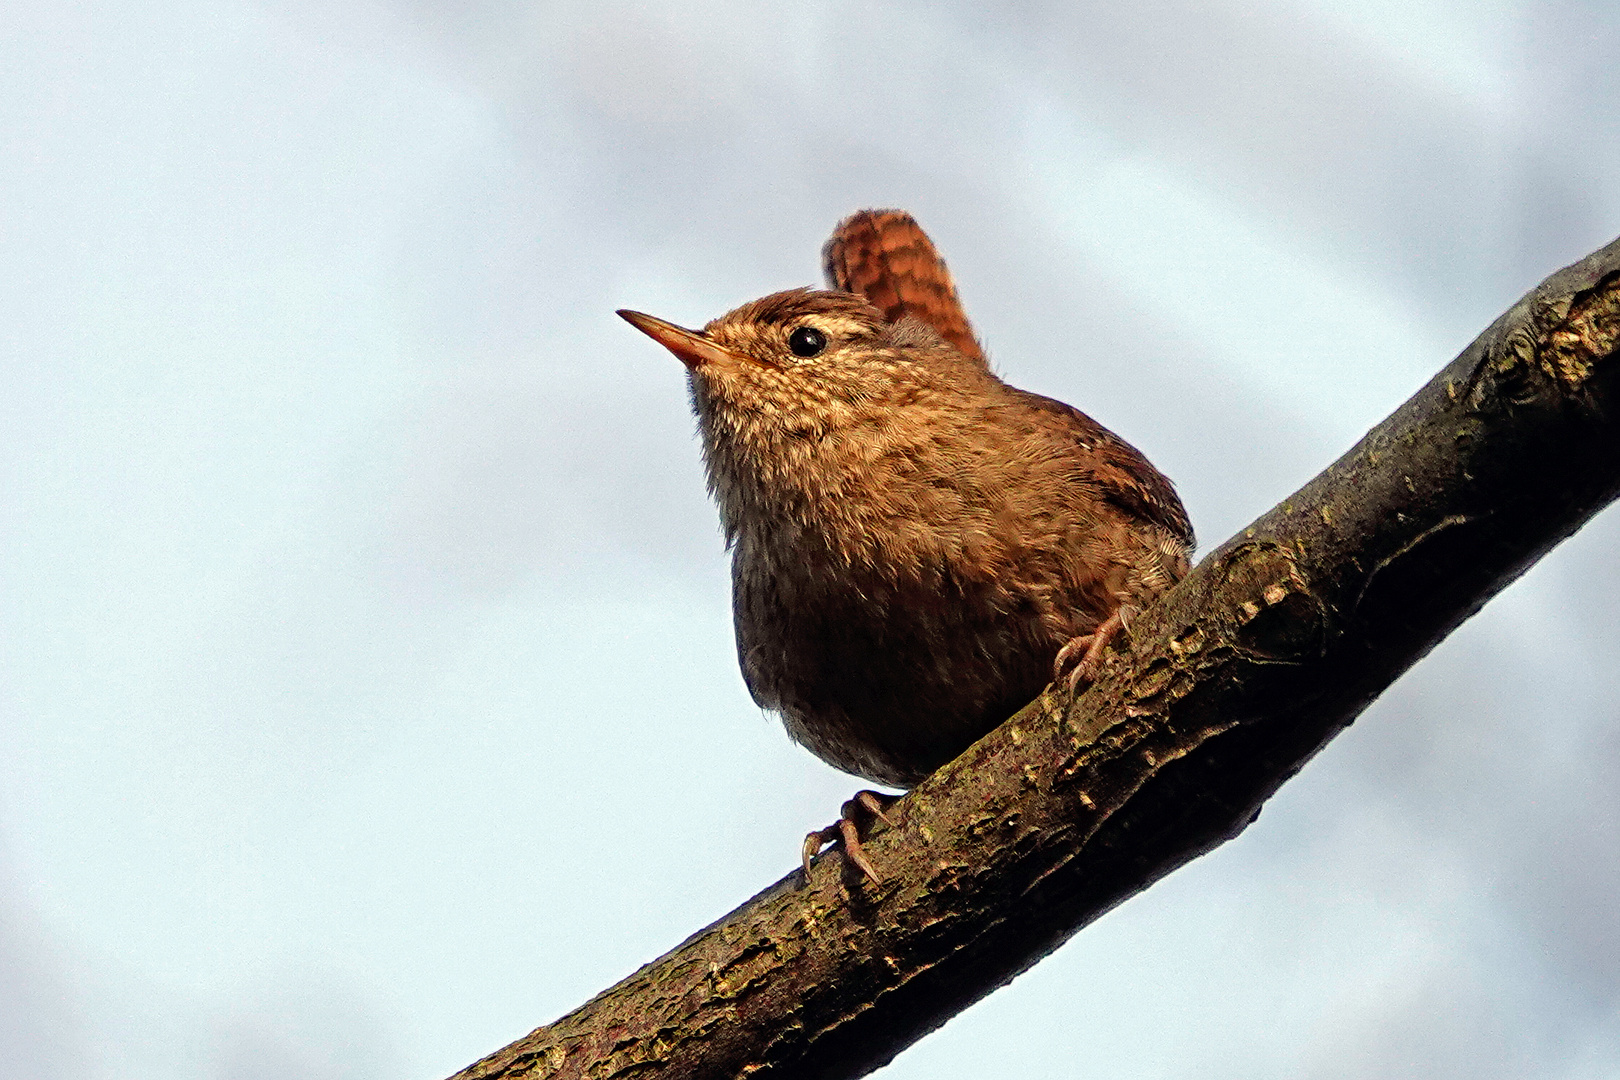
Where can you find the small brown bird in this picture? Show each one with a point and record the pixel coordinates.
(916, 545)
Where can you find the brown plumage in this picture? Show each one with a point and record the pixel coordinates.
(913, 539)
(885, 256)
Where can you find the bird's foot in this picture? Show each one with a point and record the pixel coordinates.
(1089, 648)
(865, 804)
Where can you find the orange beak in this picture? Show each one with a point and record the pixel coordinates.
(689, 346)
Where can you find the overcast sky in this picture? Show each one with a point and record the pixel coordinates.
(367, 694)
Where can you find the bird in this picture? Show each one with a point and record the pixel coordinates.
(917, 546)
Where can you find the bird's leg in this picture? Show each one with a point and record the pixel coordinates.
(867, 804)
(1091, 647)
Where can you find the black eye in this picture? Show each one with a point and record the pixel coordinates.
(807, 341)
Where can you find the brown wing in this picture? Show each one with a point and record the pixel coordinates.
(885, 256)
(1123, 475)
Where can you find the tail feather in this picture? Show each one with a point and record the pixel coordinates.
(885, 256)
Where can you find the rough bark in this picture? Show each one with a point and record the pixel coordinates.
(1273, 644)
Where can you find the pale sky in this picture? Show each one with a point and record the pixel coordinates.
(367, 694)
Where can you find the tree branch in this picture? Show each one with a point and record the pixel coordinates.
(1273, 644)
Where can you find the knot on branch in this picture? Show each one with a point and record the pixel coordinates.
(1586, 334)
(1275, 616)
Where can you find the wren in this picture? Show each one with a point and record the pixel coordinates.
(916, 545)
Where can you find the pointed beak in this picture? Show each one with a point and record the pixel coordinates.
(689, 346)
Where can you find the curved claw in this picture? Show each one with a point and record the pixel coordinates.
(874, 802)
(852, 849)
(813, 844)
(1065, 656)
(1092, 645)
(845, 829)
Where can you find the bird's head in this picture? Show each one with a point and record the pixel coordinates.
(802, 358)
(805, 380)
